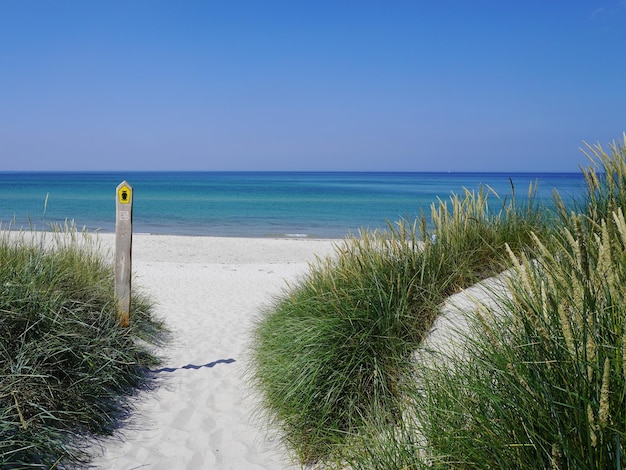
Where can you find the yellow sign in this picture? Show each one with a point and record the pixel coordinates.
(124, 194)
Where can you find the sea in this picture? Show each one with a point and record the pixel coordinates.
(255, 204)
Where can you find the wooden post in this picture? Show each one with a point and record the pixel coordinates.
(123, 250)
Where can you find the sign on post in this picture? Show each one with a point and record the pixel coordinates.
(123, 250)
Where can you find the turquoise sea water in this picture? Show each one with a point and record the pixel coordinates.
(255, 204)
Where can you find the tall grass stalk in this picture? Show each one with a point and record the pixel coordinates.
(65, 364)
(605, 177)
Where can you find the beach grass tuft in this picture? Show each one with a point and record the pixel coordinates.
(333, 354)
(66, 366)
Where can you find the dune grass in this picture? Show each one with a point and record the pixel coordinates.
(333, 353)
(544, 385)
(541, 386)
(66, 366)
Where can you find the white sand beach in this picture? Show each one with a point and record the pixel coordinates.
(209, 291)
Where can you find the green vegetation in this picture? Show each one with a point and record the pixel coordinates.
(545, 384)
(333, 354)
(66, 366)
(540, 386)
(606, 182)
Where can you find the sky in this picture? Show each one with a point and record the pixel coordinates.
(309, 85)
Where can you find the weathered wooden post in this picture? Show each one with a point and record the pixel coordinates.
(123, 250)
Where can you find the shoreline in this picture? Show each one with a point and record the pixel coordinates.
(61, 225)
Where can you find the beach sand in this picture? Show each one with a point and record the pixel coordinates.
(208, 291)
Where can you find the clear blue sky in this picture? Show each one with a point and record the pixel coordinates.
(309, 84)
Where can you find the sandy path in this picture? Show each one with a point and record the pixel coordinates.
(209, 291)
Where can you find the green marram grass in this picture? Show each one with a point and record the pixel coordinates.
(333, 353)
(66, 366)
(544, 385)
